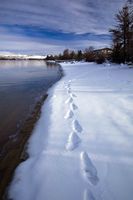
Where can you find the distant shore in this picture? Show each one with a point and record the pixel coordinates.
(21, 57)
(3, 58)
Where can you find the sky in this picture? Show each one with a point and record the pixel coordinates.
(50, 26)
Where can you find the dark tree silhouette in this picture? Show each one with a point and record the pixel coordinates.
(89, 54)
(122, 35)
(79, 55)
(66, 54)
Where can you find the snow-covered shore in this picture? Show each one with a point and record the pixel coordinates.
(81, 147)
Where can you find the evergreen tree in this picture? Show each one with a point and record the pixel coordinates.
(79, 55)
(123, 35)
(66, 54)
(72, 55)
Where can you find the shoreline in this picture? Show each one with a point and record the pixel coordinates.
(17, 153)
(17, 149)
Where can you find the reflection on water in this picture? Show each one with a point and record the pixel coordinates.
(21, 85)
(21, 72)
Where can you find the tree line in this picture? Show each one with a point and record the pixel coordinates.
(122, 42)
(88, 55)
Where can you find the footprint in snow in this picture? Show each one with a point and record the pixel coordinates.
(69, 90)
(73, 106)
(69, 100)
(89, 170)
(67, 86)
(73, 95)
(88, 195)
(76, 126)
(69, 114)
(73, 141)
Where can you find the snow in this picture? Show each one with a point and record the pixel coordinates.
(84, 153)
(88, 195)
(76, 126)
(73, 141)
(73, 106)
(69, 114)
(69, 100)
(89, 170)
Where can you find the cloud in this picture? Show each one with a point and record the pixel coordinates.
(16, 42)
(33, 40)
(78, 16)
(51, 23)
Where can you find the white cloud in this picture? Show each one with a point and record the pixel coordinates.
(20, 43)
(78, 16)
(67, 16)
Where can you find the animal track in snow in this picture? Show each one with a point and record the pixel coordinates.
(69, 114)
(73, 106)
(69, 100)
(76, 126)
(88, 195)
(73, 141)
(89, 170)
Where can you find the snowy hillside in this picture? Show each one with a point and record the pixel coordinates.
(82, 146)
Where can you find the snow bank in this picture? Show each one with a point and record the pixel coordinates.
(82, 146)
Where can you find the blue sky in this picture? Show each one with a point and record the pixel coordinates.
(50, 26)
